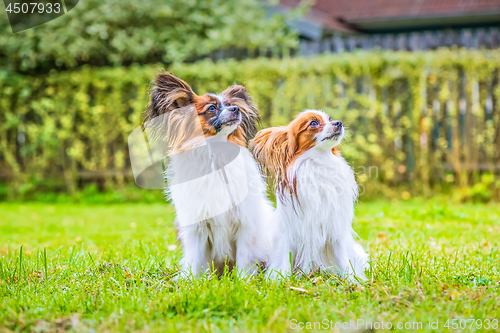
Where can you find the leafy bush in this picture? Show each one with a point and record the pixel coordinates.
(482, 191)
(418, 120)
(118, 32)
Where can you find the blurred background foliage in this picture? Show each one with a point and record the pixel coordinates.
(420, 123)
(122, 32)
(73, 89)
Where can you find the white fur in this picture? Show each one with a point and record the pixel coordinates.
(317, 230)
(221, 223)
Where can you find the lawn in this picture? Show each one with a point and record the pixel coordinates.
(109, 268)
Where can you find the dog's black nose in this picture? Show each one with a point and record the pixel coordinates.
(337, 123)
(234, 108)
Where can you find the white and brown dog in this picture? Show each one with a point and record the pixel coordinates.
(316, 192)
(214, 182)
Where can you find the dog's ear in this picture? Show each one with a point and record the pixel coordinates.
(273, 150)
(239, 96)
(238, 92)
(168, 93)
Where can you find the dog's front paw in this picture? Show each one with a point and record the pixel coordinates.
(353, 277)
(248, 272)
(278, 274)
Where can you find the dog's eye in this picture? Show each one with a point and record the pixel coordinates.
(211, 108)
(313, 123)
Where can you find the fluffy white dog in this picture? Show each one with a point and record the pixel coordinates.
(213, 180)
(316, 192)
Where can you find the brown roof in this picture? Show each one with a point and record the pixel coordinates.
(349, 12)
(359, 9)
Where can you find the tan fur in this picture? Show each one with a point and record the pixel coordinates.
(276, 148)
(171, 93)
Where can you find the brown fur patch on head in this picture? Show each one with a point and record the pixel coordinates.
(210, 106)
(202, 105)
(277, 148)
(303, 131)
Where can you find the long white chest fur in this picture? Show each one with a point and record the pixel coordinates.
(317, 229)
(220, 214)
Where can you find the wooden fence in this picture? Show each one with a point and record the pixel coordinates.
(481, 38)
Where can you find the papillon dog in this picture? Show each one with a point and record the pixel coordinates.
(213, 181)
(316, 193)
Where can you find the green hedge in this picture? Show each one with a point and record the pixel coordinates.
(421, 119)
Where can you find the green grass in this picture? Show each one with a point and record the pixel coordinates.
(108, 268)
